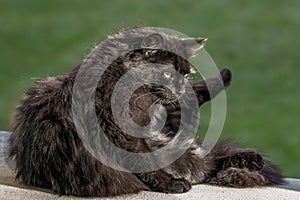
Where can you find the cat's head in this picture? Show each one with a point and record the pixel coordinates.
(168, 54)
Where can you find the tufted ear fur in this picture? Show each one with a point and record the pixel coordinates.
(192, 45)
(154, 40)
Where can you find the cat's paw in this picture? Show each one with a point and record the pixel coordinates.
(252, 160)
(240, 178)
(178, 186)
(246, 160)
(226, 77)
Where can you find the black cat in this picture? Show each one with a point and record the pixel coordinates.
(49, 152)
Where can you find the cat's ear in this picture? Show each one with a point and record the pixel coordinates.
(152, 41)
(192, 45)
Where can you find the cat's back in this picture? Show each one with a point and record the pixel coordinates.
(42, 113)
(48, 151)
(46, 98)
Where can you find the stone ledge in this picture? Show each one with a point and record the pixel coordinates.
(203, 192)
(9, 189)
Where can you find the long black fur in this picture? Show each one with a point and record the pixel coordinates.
(49, 153)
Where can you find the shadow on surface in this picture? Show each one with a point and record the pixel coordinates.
(292, 184)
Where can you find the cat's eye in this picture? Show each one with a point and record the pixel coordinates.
(168, 74)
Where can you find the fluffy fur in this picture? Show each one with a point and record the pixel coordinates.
(49, 153)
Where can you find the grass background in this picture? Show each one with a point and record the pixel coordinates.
(258, 40)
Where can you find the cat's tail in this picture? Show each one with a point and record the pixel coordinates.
(272, 173)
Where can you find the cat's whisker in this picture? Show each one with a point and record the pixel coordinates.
(141, 96)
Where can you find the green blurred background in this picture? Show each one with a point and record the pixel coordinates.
(258, 40)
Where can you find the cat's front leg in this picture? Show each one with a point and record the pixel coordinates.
(206, 90)
(162, 181)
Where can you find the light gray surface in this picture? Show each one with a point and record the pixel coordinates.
(198, 192)
(14, 191)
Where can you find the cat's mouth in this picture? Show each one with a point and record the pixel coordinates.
(166, 96)
(169, 99)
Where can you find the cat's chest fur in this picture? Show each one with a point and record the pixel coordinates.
(139, 105)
